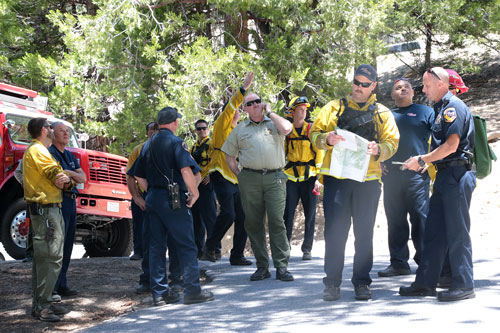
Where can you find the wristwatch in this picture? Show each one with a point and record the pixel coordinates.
(421, 161)
(268, 113)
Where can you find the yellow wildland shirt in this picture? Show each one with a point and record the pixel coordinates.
(222, 128)
(385, 125)
(39, 175)
(133, 157)
(201, 152)
(303, 160)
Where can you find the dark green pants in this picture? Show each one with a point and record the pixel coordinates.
(260, 194)
(47, 255)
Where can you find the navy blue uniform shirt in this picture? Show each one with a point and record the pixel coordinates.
(415, 126)
(171, 155)
(453, 117)
(66, 159)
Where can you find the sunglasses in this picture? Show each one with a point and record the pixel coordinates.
(431, 71)
(201, 128)
(362, 84)
(46, 125)
(255, 101)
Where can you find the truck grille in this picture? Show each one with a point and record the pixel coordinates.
(107, 170)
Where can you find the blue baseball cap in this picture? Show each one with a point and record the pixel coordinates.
(168, 115)
(367, 71)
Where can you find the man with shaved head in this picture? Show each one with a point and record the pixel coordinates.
(406, 192)
(448, 220)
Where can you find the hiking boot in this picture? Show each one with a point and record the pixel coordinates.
(362, 293)
(456, 294)
(260, 274)
(208, 256)
(414, 290)
(67, 292)
(240, 261)
(47, 315)
(203, 296)
(307, 256)
(283, 274)
(58, 309)
(331, 294)
(394, 271)
(167, 298)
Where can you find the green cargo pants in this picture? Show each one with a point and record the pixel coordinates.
(47, 255)
(261, 193)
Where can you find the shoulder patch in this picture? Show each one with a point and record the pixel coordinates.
(450, 114)
(184, 145)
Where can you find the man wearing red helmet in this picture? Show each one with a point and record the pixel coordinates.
(456, 84)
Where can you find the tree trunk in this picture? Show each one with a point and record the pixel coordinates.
(428, 45)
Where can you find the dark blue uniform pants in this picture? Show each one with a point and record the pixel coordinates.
(231, 210)
(405, 192)
(69, 215)
(302, 191)
(345, 199)
(204, 215)
(178, 226)
(447, 228)
(174, 267)
(137, 225)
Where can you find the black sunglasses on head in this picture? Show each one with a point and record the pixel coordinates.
(362, 84)
(431, 71)
(46, 125)
(255, 101)
(201, 128)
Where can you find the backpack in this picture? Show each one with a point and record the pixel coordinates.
(483, 155)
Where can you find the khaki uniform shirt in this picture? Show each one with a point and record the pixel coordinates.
(257, 145)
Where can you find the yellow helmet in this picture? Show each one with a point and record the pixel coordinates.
(299, 100)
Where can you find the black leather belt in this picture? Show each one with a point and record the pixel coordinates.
(444, 165)
(262, 171)
(71, 195)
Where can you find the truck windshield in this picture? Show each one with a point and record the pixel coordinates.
(18, 132)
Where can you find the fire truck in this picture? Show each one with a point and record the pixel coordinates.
(104, 222)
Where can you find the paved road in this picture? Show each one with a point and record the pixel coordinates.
(275, 306)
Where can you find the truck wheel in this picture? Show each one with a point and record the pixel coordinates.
(15, 230)
(118, 241)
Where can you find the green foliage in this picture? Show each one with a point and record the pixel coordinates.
(109, 66)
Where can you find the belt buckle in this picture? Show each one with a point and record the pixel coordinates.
(264, 171)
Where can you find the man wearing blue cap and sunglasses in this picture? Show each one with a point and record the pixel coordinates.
(347, 199)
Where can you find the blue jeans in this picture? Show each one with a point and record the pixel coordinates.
(302, 191)
(174, 267)
(343, 200)
(447, 229)
(405, 192)
(69, 215)
(177, 225)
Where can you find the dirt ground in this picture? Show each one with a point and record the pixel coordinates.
(106, 285)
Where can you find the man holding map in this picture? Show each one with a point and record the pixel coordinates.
(357, 134)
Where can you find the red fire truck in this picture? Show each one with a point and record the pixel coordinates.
(104, 224)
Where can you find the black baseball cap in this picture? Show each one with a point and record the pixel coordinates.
(367, 71)
(168, 115)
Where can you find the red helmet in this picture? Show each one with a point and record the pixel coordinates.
(457, 82)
